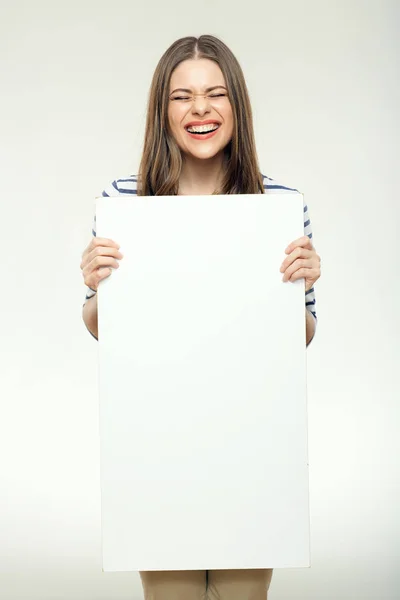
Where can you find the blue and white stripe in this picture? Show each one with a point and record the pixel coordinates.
(128, 186)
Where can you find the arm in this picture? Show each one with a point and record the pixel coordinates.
(98, 259)
(303, 262)
(89, 315)
(310, 327)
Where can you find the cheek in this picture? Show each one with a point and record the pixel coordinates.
(175, 128)
(175, 118)
(170, 121)
(229, 120)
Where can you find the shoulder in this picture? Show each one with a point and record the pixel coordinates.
(272, 186)
(128, 185)
(123, 186)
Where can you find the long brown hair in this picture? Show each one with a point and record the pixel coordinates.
(161, 161)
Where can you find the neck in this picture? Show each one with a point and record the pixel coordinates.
(201, 176)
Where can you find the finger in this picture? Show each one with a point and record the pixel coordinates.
(103, 261)
(310, 275)
(101, 251)
(90, 271)
(104, 272)
(97, 276)
(94, 278)
(299, 264)
(298, 252)
(303, 273)
(96, 241)
(304, 242)
(104, 251)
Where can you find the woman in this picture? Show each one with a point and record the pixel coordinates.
(199, 140)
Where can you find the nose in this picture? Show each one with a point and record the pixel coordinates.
(201, 105)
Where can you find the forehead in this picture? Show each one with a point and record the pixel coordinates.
(197, 75)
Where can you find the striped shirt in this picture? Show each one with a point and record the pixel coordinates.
(128, 186)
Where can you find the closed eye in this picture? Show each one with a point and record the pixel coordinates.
(186, 98)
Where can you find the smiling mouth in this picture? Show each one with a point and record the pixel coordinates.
(202, 129)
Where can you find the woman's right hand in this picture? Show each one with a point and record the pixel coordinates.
(98, 259)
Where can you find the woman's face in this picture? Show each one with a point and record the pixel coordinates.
(199, 112)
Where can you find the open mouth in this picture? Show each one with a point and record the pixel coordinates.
(202, 129)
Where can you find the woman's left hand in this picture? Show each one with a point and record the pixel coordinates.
(302, 262)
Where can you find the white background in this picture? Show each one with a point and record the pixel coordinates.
(324, 83)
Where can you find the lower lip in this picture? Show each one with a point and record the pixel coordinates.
(202, 136)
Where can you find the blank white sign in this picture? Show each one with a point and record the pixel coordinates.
(203, 417)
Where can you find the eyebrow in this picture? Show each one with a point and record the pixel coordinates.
(210, 89)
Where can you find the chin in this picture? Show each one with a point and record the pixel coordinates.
(203, 153)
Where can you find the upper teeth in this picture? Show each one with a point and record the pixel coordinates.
(203, 128)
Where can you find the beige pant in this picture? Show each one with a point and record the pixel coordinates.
(246, 584)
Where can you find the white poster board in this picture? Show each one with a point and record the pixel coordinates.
(203, 417)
